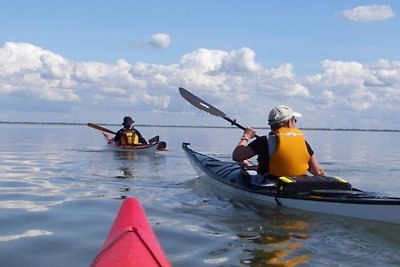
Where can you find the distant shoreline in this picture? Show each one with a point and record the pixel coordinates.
(195, 126)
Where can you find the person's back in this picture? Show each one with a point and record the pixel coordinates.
(288, 155)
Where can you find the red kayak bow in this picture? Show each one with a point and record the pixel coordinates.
(131, 241)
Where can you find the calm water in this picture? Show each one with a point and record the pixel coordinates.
(60, 189)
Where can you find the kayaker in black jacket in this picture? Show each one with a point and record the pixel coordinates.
(128, 135)
(285, 152)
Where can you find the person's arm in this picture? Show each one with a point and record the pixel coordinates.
(314, 167)
(117, 137)
(242, 151)
(141, 139)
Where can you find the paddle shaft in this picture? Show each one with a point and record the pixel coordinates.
(100, 128)
(203, 105)
(233, 122)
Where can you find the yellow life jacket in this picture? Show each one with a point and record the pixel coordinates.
(129, 138)
(291, 156)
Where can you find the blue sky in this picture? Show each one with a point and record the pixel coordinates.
(336, 62)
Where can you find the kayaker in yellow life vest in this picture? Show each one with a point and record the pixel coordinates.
(285, 152)
(128, 135)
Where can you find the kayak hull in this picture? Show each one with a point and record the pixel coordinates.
(142, 149)
(131, 241)
(228, 176)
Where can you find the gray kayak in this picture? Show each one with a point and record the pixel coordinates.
(329, 195)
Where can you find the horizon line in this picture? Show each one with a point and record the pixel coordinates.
(196, 126)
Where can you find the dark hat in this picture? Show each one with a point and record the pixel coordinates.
(127, 121)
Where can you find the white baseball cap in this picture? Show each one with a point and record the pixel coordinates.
(280, 114)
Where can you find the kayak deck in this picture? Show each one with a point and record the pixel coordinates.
(131, 241)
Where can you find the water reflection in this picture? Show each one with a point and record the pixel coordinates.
(126, 155)
(130, 165)
(27, 233)
(283, 247)
(127, 173)
(262, 235)
(31, 206)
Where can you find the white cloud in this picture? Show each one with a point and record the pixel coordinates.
(233, 76)
(236, 72)
(362, 99)
(242, 60)
(231, 80)
(203, 60)
(160, 40)
(368, 13)
(341, 73)
(17, 57)
(25, 68)
(356, 87)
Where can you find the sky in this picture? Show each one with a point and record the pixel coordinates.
(335, 62)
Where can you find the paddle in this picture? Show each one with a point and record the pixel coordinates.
(203, 105)
(100, 128)
(161, 145)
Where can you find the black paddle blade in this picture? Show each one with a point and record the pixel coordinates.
(154, 139)
(200, 104)
(203, 105)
